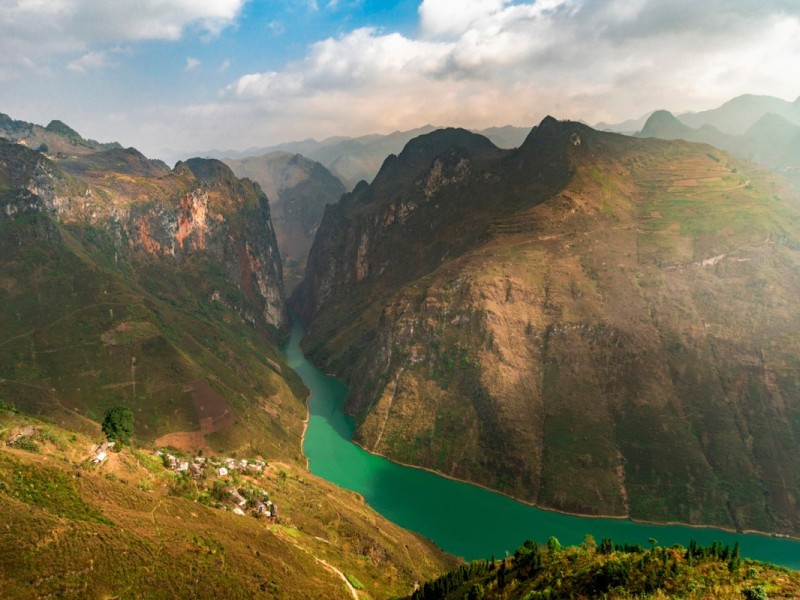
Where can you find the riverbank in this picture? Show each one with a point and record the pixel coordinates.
(470, 520)
(730, 530)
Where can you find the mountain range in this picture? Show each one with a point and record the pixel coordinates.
(130, 284)
(733, 117)
(597, 323)
(353, 159)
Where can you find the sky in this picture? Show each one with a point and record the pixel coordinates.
(187, 76)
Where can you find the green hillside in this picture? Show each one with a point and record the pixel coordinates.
(614, 572)
(131, 528)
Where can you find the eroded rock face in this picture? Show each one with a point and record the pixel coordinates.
(605, 327)
(197, 212)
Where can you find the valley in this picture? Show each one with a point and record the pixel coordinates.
(594, 324)
(467, 520)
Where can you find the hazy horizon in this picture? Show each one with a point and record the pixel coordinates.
(185, 75)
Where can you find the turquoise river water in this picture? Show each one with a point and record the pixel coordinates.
(464, 519)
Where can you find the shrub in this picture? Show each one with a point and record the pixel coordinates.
(118, 424)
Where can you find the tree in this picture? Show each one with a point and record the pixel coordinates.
(118, 424)
(42, 148)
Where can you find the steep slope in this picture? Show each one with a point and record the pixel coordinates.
(130, 528)
(298, 189)
(159, 290)
(594, 323)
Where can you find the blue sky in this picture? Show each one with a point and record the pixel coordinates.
(173, 76)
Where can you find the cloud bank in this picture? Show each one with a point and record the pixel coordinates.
(471, 63)
(35, 30)
(479, 63)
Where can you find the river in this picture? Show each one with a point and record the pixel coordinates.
(463, 519)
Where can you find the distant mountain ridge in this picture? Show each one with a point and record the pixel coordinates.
(298, 189)
(56, 138)
(771, 141)
(733, 117)
(359, 158)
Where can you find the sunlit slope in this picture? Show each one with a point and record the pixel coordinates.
(124, 283)
(623, 343)
(131, 529)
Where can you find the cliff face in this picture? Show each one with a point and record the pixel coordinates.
(298, 189)
(198, 212)
(594, 323)
(125, 282)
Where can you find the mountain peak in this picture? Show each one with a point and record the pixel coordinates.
(438, 141)
(61, 128)
(210, 170)
(663, 124)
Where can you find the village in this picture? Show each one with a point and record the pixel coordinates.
(221, 478)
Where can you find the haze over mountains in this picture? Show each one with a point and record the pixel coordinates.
(356, 159)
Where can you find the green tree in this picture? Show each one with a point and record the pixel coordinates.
(118, 424)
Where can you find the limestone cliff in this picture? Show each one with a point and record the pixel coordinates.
(199, 211)
(298, 189)
(592, 322)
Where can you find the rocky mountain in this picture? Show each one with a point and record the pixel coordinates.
(129, 283)
(356, 159)
(126, 283)
(57, 138)
(591, 322)
(298, 189)
(771, 141)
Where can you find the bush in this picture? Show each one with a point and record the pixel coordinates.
(755, 593)
(118, 424)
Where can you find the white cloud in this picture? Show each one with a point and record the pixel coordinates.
(479, 63)
(192, 63)
(38, 29)
(487, 62)
(92, 61)
(276, 27)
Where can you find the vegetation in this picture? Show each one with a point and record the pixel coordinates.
(118, 425)
(96, 320)
(126, 528)
(614, 572)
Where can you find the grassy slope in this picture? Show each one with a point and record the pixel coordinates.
(125, 529)
(79, 338)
